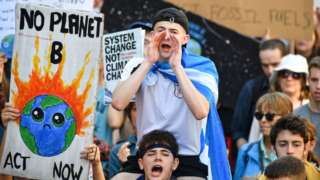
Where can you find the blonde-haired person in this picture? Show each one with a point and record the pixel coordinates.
(254, 157)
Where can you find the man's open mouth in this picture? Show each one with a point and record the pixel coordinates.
(165, 46)
(156, 170)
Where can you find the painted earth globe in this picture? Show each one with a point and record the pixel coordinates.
(47, 125)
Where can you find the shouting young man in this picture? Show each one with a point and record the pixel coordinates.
(177, 91)
(157, 155)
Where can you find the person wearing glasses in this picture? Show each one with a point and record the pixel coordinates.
(254, 157)
(270, 54)
(290, 77)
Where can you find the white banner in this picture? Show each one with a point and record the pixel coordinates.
(7, 16)
(118, 49)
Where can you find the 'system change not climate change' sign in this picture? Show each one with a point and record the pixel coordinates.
(118, 49)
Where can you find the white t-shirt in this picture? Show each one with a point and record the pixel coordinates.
(160, 105)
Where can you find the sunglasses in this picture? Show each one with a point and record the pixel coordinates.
(286, 74)
(269, 116)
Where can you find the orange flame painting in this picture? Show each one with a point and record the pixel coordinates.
(45, 82)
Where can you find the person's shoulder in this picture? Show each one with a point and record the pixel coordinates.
(198, 58)
(259, 79)
(117, 146)
(244, 147)
(252, 148)
(310, 165)
(249, 146)
(249, 84)
(302, 110)
(311, 170)
(262, 177)
(141, 177)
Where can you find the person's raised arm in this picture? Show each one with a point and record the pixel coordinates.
(196, 102)
(127, 89)
(92, 153)
(115, 118)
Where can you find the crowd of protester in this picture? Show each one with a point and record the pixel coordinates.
(276, 120)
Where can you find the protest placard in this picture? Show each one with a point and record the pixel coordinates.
(53, 84)
(7, 17)
(290, 19)
(118, 49)
(6, 26)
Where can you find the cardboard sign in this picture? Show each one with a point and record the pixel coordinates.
(290, 19)
(54, 81)
(118, 49)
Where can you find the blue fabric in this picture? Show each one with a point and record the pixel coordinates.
(115, 164)
(1, 133)
(247, 165)
(203, 74)
(101, 128)
(248, 161)
(141, 177)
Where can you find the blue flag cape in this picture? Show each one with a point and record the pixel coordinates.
(204, 76)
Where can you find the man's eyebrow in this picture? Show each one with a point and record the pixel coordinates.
(165, 150)
(151, 150)
(171, 29)
(282, 141)
(162, 27)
